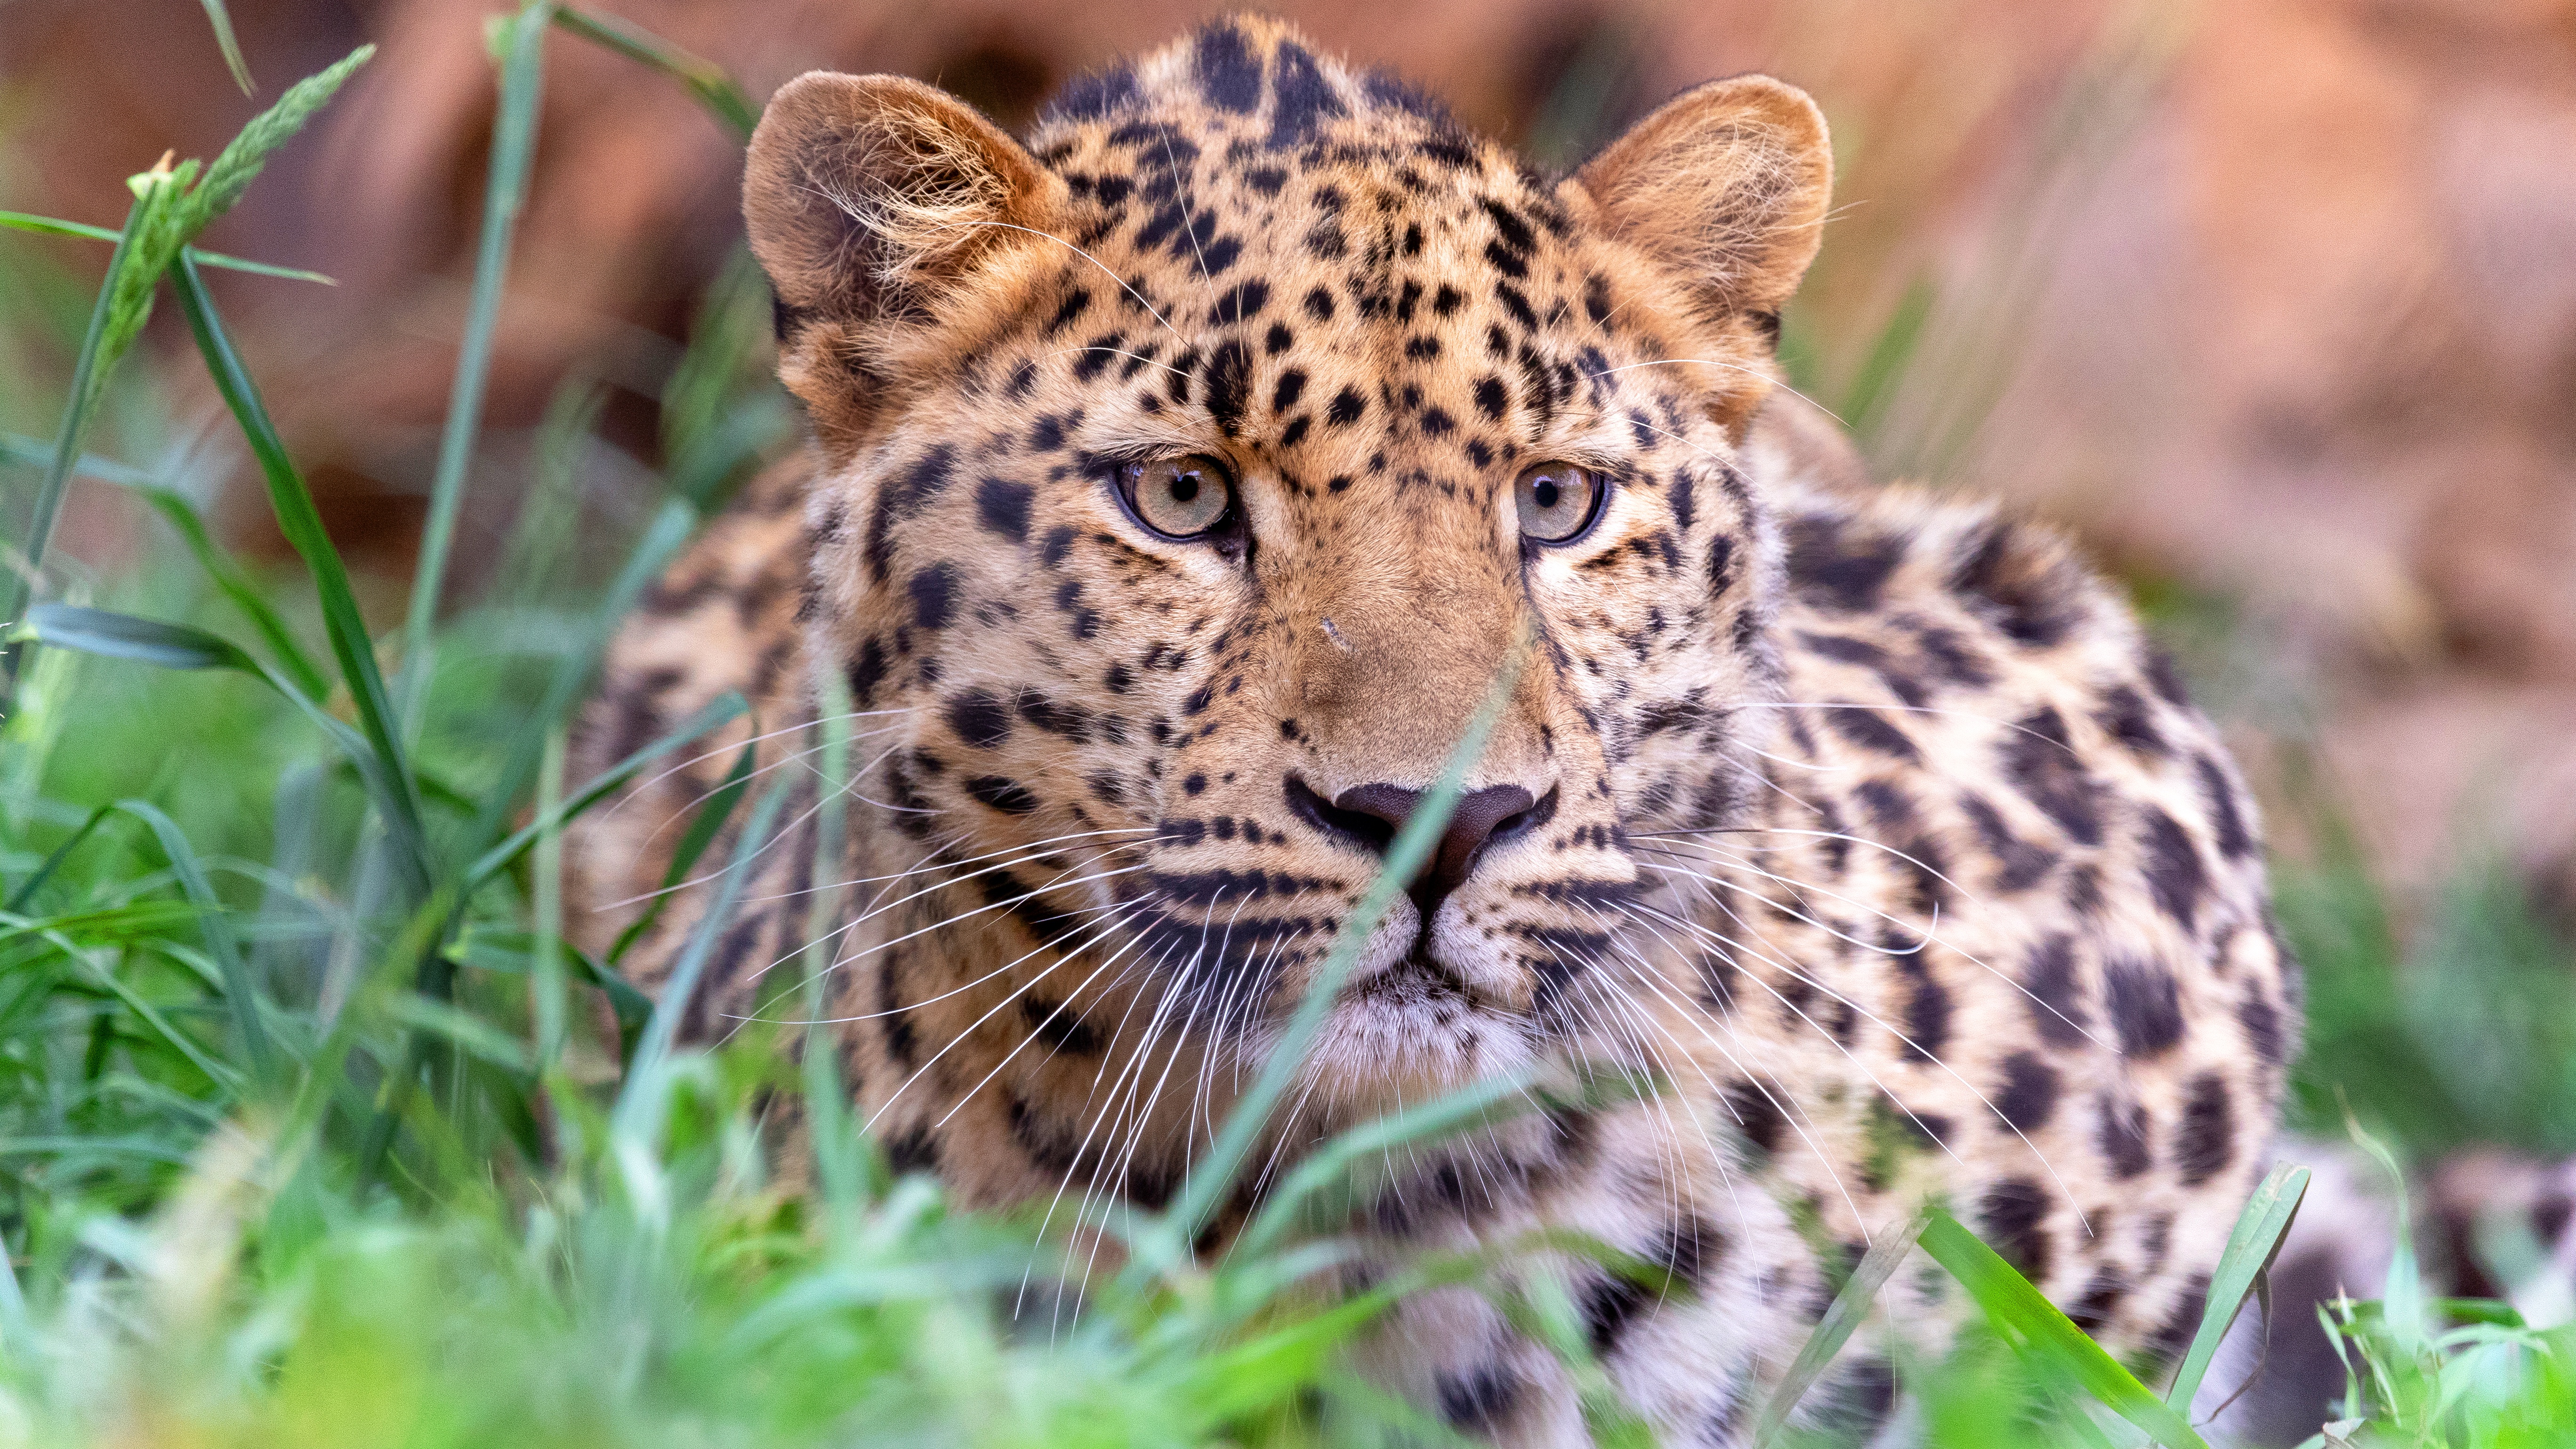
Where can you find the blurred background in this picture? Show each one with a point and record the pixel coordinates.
(2271, 302)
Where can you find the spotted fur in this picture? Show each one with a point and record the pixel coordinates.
(1867, 819)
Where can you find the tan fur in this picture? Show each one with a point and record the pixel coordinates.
(1864, 819)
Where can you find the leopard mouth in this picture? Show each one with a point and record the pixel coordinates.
(1418, 980)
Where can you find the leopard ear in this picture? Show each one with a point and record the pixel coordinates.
(1727, 185)
(869, 199)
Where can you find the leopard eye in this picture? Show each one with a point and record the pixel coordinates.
(1179, 498)
(1558, 501)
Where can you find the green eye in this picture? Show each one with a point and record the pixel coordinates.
(1558, 501)
(1179, 498)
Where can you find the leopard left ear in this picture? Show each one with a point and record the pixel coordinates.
(1727, 185)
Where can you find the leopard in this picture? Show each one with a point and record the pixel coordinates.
(1251, 457)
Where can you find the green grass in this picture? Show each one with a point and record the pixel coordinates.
(308, 1134)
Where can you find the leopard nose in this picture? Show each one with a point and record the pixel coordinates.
(1369, 816)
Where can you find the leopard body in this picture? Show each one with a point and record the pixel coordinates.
(1864, 821)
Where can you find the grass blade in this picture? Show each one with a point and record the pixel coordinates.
(840, 1161)
(56, 226)
(181, 515)
(663, 538)
(505, 191)
(239, 163)
(663, 1029)
(1412, 846)
(723, 709)
(703, 826)
(2251, 1247)
(215, 925)
(88, 368)
(2036, 1328)
(548, 987)
(301, 522)
(26, 891)
(1849, 1307)
(176, 646)
(1472, 1105)
(229, 44)
(705, 79)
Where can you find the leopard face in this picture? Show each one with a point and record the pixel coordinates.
(1194, 473)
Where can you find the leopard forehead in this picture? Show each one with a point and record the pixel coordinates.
(1375, 320)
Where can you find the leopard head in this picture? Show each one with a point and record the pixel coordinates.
(1193, 470)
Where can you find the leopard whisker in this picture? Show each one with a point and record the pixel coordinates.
(637, 788)
(1729, 367)
(1931, 935)
(1086, 256)
(942, 924)
(1790, 1109)
(1934, 1057)
(1119, 352)
(960, 1036)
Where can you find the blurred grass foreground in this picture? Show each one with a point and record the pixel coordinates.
(315, 1131)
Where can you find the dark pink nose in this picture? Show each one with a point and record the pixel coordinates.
(1369, 816)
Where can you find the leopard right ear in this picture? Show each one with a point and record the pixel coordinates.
(870, 200)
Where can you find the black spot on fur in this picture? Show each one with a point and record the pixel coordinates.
(1758, 1116)
(901, 498)
(2174, 873)
(912, 1150)
(2206, 1142)
(1229, 375)
(1091, 97)
(1074, 305)
(2262, 1025)
(2016, 588)
(2121, 1136)
(1228, 74)
(1840, 567)
(1858, 1402)
(1480, 1401)
(1872, 731)
(1300, 97)
(2127, 717)
(1002, 507)
(1056, 1024)
(1245, 299)
(1687, 1249)
(2140, 997)
(2041, 764)
(1927, 1008)
(934, 595)
(2049, 976)
(1058, 545)
(867, 672)
(2101, 1299)
(2235, 840)
(2013, 1212)
(2027, 1097)
(1610, 1305)
(1008, 796)
(980, 719)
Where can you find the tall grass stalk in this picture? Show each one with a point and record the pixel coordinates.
(519, 41)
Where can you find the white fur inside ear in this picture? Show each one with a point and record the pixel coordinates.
(921, 188)
(862, 193)
(1727, 186)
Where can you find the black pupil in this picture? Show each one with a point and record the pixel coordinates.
(1184, 487)
(1546, 493)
